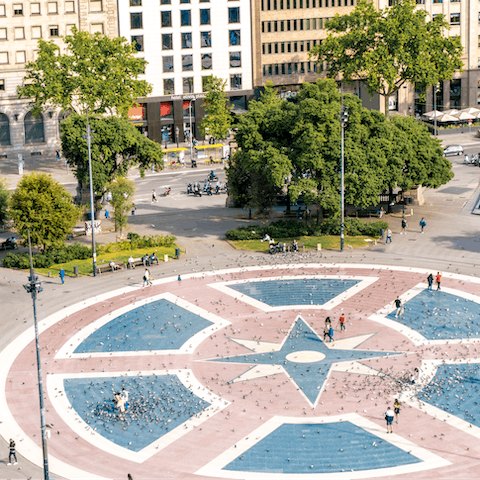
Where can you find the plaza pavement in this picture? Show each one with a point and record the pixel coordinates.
(450, 244)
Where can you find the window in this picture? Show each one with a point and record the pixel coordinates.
(96, 28)
(186, 40)
(2, 87)
(236, 82)
(204, 1)
(234, 15)
(52, 7)
(3, 33)
(2, 10)
(54, 30)
(135, 3)
(34, 132)
(165, 2)
(3, 57)
(187, 63)
(70, 7)
(188, 85)
(167, 41)
(168, 86)
(437, 1)
(35, 8)
(137, 40)
(19, 33)
(184, 1)
(136, 21)
(4, 122)
(166, 19)
(167, 64)
(18, 8)
(96, 6)
(185, 18)
(205, 39)
(235, 59)
(234, 38)
(204, 16)
(20, 57)
(206, 61)
(455, 92)
(455, 19)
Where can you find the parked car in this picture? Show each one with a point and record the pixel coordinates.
(453, 150)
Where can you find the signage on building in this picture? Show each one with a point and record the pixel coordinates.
(190, 96)
(137, 113)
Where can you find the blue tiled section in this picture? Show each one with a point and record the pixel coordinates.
(277, 293)
(439, 315)
(326, 448)
(160, 325)
(157, 404)
(455, 389)
(308, 376)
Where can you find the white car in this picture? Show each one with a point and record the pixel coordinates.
(453, 150)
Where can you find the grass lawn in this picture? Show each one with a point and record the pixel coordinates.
(329, 242)
(85, 267)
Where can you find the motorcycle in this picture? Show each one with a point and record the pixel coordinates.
(194, 189)
(9, 243)
(212, 177)
(207, 188)
(167, 191)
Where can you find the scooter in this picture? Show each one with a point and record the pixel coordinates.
(212, 177)
(194, 189)
(167, 191)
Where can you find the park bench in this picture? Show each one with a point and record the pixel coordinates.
(105, 267)
(136, 262)
(301, 245)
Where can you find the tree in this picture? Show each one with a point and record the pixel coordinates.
(388, 48)
(218, 119)
(4, 197)
(296, 147)
(97, 73)
(116, 147)
(122, 191)
(43, 206)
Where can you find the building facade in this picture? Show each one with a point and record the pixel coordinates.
(22, 24)
(184, 42)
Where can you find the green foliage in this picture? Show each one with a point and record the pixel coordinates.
(116, 147)
(292, 229)
(388, 48)
(96, 73)
(43, 206)
(122, 191)
(297, 147)
(4, 197)
(218, 120)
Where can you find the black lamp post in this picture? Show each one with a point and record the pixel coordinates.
(343, 124)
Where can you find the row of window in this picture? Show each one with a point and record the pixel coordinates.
(288, 47)
(169, 84)
(52, 8)
(138, 3)
(293, 25)
(206, 62)
(268, 5)
(291, 68)
(186, 40)
(34, 129)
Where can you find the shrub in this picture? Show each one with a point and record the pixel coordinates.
(79, 251)
(43, 260)
(133, 237)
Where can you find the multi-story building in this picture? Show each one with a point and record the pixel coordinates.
(22, 24)
(184, 42)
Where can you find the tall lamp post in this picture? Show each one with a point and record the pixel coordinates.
(92, 213)
(191, 130)
(33, 288)
(435, 90)
(343, 124)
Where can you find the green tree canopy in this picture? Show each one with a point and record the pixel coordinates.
(96, 72)
(122, 191)
(43, 206)
(218, 119)
(4, 197)
(116, 147)
(388, 48)
(296, 146)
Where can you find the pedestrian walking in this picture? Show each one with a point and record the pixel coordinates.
(404, 227)
(438, 277)
(147, 279)
(330, 333)
(389, 416)
(341, 321)
(13, 453)
(57, 156)
(396, 409)
(423, 224)
(154, 196)
(125, 398)
(133, 208)
(389, 235)
(399, 307)
(326, 330)
(62, 275)
(430, 282)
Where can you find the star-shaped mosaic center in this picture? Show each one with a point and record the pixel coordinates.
(305, 358)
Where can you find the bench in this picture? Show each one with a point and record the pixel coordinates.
(136, 262)
(107, 268)
(301, 245)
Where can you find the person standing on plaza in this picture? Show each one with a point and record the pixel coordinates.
(438, 277)
(326, 330)
(430, 282)
(12, 454)
(62, 275)
(389, 235)
(404, 227)
(389, 416)
(423, 224)
(154, 196)
(396, 409)
(341, 322)
(146, 278)
(398, 306)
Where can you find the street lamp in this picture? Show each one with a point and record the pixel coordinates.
(92, 214)
(436, 89)
(343, 124)
(191, 130)
(34, 287)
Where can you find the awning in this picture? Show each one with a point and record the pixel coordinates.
(170, 150)
(204, 147)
